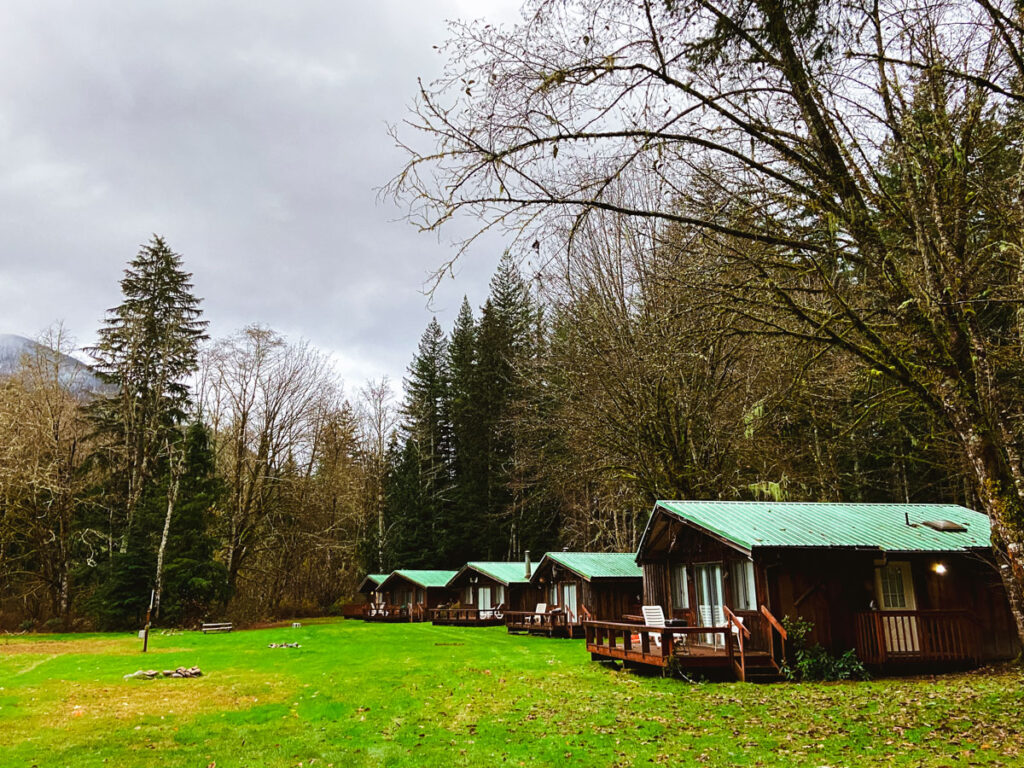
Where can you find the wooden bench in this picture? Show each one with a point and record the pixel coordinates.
(223, 626)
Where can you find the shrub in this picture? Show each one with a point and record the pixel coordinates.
(812, 662)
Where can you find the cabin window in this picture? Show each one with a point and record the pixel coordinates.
(500, 594)
(896, 587)
(467, 596)
(743, 593)
(419, 596)
(569, 603)
(680, 588)
(552, 594)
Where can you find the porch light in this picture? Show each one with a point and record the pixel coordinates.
(939, 568)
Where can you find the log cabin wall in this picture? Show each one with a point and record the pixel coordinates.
(656, 585)
(611, 599)
(524, 597)
(437, 596)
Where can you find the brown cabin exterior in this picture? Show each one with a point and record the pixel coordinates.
(579, 585)
(926, 594)
(485, 591)
(410, 594)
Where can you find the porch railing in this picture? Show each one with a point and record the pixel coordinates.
(656, 645)
(381, 611)
(531, 621)
(737, 628)
(916, 636)
(776, 649)
(467, 615)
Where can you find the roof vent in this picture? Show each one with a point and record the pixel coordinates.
(945, 525)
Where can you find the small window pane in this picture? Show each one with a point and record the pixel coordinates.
(680, 588)
(743, 592)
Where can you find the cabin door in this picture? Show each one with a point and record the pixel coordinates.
(708, 578)
(484, 602)
(569, 601)
(894, 584)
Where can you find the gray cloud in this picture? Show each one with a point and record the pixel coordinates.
(251, 136)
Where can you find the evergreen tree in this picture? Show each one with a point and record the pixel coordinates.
(193, 578)
(424, 469)
(504, 339)
(468, 443)
(147, 349)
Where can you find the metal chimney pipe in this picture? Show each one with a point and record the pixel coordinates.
(529, 569)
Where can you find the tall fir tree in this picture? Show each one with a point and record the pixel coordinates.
(504, 338)
(423, 471)
(460, 524)
(147, 349)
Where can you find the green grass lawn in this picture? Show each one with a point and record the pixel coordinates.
(360, 694)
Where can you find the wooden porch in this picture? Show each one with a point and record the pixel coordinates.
(385, 612)
(552, 623)
(467, 617)
(750, 647)
(917, 637)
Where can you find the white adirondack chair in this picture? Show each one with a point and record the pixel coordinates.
(654, 616)
(541, 608)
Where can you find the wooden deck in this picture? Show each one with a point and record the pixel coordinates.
(552, 624)
(467, 617)
(733, 648)
(384, 612)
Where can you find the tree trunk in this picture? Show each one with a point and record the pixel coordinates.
(177, 468)
(997, 490)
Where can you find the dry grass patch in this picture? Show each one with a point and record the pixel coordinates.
(100, 645)
(84, 707)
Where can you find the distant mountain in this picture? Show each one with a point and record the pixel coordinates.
(73, 373)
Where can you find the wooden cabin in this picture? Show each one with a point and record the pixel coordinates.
(579, 585)
(484, 591)
(410, 594)
(907, 586)
(370, 587)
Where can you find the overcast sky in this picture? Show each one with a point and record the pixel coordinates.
(252, 136)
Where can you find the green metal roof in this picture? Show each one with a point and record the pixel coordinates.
(599, 565)
(374, 579)
(425, 578)
(750, 524)
(505, 572)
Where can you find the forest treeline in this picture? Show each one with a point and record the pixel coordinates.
(232, 477)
